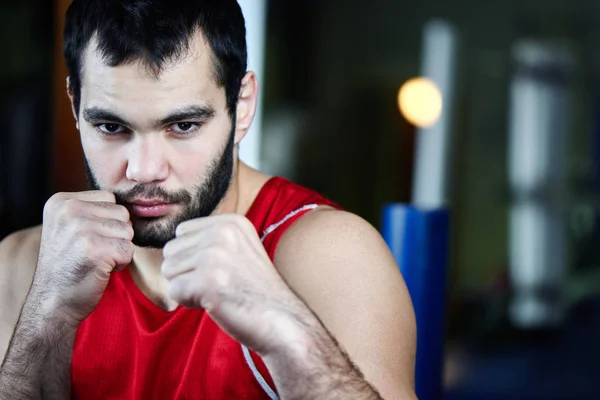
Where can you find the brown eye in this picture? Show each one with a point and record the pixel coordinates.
(184, 127)
(111, 128)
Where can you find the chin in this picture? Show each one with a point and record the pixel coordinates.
(154, 232)
(150, 245)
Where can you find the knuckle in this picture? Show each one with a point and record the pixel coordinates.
(128, 246)
(48, 210)
(227, 232)
(129, 231)
(59, 197)
(70, 208)
(118, 250)
(244, 222)
(107, 195)
(241, 222)
(70, 202)
(55, 201)
(125, 250)
(124, 247)
(122, 212)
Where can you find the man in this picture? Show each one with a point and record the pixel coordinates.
(185, 274)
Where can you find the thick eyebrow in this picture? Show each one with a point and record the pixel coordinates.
(94, 115)
(191, 113)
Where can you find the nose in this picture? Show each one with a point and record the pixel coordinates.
(147, 161)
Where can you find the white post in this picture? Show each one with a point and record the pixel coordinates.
(255, 13)
(539, 115)
(432, 158)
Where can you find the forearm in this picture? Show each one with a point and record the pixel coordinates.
(313, 366)
(37, 362)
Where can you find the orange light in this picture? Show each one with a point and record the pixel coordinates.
(420, 101)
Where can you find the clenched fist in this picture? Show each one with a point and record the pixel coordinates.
(85, 236)
(219, 263)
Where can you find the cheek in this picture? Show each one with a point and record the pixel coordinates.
(107, 161)
(190, 161)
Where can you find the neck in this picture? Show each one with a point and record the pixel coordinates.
(145, 269)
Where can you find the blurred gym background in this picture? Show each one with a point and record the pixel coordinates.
(522, 172)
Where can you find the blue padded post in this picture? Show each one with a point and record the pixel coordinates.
(419, 242)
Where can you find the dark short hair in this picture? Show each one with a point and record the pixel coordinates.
(157, 32)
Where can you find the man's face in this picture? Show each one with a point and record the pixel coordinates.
(163, 145)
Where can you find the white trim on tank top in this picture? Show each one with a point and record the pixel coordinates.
(259, 378)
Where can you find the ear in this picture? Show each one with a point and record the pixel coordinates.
(70, 94)
(246, 106)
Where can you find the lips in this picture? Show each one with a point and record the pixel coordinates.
(150, 208)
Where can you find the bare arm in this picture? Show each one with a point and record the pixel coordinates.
(341, 268)
(85, 237)
(18, 257)
(36, 351)
(314, 366)
(37, 362)
(333, 267)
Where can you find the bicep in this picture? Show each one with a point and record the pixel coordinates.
(6, 330)
(18, 257)
(342, 269)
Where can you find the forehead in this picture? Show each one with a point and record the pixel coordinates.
(189, 79)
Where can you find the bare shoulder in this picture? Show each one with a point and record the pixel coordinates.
(333, 230)
(342, 268)
(18, 260)
(337, 243)
(19, 252)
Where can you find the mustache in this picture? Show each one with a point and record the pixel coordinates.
(152, 192)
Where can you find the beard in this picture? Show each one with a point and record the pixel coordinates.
(202, 202)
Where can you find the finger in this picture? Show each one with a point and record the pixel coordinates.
(110, 251)
(94, 196)
(194, 225)
(111, 228)
(109, 210)
(193, 240)
(202, 223)
(119, 268)
(186, 290)
(121, 252)
(181, 263)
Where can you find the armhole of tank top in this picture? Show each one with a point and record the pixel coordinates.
(257, 375)
(271, 228)
(247, 356)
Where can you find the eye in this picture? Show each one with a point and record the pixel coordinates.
(184, 127)
(111, 129)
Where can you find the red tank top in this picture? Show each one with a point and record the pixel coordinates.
(129, 348)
